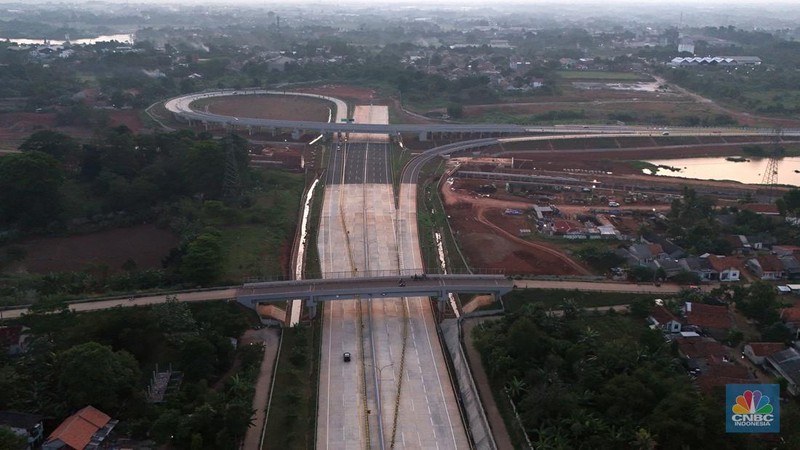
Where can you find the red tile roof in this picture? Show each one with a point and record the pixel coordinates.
(77, 430)
(707, 316)
(655, 249)
(766, 348)
(719, 373)
(770, 263)
(720, 263)
(662, 314)
(791, 314)
(699, 347)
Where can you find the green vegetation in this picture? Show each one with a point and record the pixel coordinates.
(234, 222)
(597, 75)
(642, 165)
(11, 440)
(431, 219)
(312, 264)
(556, 298)
(599, 381)
(770, 88)
(600, 258)
(292, 419)
(105, 359)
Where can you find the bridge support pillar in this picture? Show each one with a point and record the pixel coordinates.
(311, 306)
(442, 302)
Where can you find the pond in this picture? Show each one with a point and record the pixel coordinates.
(750, 170)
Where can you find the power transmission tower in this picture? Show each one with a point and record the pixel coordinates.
(231, 184)
(770, 177)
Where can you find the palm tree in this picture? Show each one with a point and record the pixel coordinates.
(570, 308)
(515, 387)
(589, 336)
(643, 440)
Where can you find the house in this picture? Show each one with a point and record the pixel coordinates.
(642, 254)
(670, 267)
(713, 319)
(700, 267)
(279, 63)
(24, 424)
(786, 364)
(757, 351)
(786, 250)
(660, 317)
(791, 318)
(87, 428)
(739, 243)
(700, 353)
(766, 267)
(726, 266)
(791, 267)
(720, 373)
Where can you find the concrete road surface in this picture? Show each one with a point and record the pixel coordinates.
(359, 231)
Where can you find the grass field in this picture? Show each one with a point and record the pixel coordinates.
(251, 251)
(292, 418)
(257, 244)
(554, 298)
(598, 75)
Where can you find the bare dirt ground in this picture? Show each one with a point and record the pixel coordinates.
(146, 245)
(489, 239)
(353, 94)
(128, 117)
(287, 107)
(16, 127)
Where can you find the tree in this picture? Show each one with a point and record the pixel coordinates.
(791, 200)
(757, 301)
(202, 263)
(174, 316)
(58, 145)
(204, 169)
(455, 111)
(93, 374)
(9, 440)
(30, 184)
(776, 332)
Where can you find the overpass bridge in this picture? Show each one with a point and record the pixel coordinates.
(181, 108)
(313, 291)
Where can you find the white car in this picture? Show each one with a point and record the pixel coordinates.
(613, 204)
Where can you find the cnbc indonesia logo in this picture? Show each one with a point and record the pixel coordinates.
(753, 408)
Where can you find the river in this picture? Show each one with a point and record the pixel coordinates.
(122, 38)
(718, 168)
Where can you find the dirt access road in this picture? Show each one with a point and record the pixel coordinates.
(487, 245)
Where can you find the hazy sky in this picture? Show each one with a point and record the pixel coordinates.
(426, 3)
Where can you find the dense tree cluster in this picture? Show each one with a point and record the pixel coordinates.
(594, 382)
(600, 382)
(119, 173)
(104, 359)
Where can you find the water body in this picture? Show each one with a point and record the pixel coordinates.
(122, 38)
(718, 168)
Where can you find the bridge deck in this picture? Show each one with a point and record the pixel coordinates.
(345, 288)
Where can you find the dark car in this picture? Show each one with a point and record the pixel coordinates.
(346, 356)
